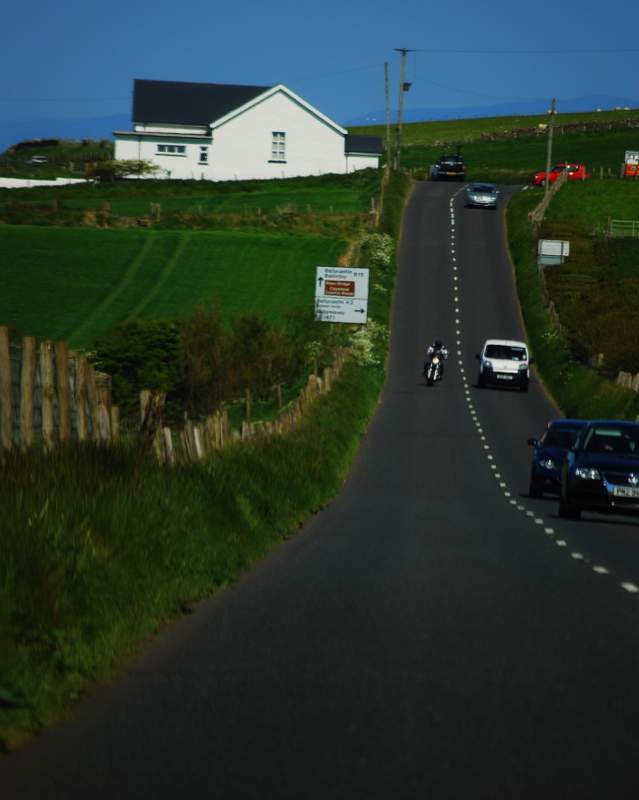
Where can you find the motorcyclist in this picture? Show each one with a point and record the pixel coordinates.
(436, 348)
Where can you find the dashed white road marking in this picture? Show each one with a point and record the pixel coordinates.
(599, 569)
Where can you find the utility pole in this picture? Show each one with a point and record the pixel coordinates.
(387, 115)
(551, 128)
(403, 87)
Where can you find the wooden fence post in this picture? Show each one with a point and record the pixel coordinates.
(46, 378)
(81, 396)
(115, 423)
(168, 446)
(64, 391)
(151, 405)
(6, 438)
(92, 397)
(27, 387)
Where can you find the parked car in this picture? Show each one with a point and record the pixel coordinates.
(576, 172)
(549, 453)
(601, 470)
(448, 168)
(482, 195)
(504, 362)
(38, 160)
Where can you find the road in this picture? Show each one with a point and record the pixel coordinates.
(433, 633)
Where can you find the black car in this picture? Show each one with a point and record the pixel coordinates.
(549, 453)
(448, 168)
(601, 470)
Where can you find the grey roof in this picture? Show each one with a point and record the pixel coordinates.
(363, 144)
(174, 102)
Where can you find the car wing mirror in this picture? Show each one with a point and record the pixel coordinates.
(476, 355)
(531, 360)
(533, 442)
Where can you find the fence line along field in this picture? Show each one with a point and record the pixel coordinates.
(77, 283)
(51, 394)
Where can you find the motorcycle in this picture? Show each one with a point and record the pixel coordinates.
(433, 370)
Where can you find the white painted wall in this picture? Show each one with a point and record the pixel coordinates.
(27, 183)
(140, 148)
(240, 147)
(364, 161)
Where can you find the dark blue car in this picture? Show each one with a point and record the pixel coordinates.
(549, 453)
(601, 470)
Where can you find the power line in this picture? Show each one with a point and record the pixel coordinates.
(585, 51)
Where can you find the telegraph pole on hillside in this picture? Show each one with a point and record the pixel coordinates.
(387, 115)
(403, 87)
(551, 128)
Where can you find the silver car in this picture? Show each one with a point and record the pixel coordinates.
(482, 195)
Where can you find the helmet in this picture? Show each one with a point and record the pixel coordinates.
(437, 344)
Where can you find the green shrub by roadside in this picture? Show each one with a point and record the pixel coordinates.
(578, 390)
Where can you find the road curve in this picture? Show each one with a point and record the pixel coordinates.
(433, 633)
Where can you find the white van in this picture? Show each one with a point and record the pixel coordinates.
(504, 362)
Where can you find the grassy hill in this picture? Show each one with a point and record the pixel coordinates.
(509, 149)
(469, 130)
(77, 283)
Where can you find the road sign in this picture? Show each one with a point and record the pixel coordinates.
(341, 294)
(551, 252)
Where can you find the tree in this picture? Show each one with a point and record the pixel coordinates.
(109, 171)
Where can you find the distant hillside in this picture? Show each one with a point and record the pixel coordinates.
(516, 108)
(95, 128)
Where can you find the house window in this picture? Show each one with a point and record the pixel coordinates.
(204, 154)
(171, 149)
(278, 146)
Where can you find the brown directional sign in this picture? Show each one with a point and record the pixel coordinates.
(339, 288)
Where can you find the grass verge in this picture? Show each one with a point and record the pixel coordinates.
(578, 390)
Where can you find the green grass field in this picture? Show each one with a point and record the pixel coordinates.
(592, 202)
(340, 194)
(466, 130)
(515, 160)
(76, 284)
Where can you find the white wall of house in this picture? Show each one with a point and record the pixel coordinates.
(355, 161)
(176, 165)
(241, 146)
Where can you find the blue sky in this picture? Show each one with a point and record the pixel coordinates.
(75, 60)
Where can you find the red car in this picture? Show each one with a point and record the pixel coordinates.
(576, 172)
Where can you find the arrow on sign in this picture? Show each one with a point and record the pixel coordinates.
(320, 281)
(360, 310)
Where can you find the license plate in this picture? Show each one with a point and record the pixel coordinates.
(503, 377)
(625, 491)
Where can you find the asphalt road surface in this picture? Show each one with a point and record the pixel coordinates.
(433, 633)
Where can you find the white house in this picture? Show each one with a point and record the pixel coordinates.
(226, 132)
